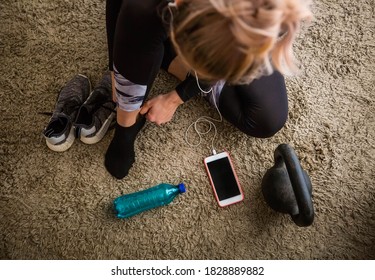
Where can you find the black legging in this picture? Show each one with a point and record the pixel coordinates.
(138, 45)
(259, 109)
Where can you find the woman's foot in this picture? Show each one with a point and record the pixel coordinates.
(120, 155)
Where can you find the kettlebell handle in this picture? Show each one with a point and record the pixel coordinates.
(285, 153)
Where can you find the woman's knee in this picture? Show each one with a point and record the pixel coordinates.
(265, 125)
(259, 109)
(268, 106)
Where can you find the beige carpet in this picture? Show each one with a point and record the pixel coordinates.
(58, 205)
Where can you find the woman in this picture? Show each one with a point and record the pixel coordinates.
(232, 46)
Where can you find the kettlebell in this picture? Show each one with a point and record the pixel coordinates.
(286, 187)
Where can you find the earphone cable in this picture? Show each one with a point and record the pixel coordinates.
(204, 119)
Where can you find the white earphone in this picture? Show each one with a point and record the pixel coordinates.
(172, 4)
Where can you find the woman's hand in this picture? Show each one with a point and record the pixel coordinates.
(161, 108)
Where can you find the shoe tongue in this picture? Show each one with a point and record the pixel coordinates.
(57, 125)
(84, 117)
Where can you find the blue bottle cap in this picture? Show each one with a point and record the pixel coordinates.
(181, 187)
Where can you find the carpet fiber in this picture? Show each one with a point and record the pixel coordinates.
(58, 205)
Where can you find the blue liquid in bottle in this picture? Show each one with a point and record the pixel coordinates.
(129, 205)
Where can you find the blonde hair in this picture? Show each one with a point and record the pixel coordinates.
(238, 40)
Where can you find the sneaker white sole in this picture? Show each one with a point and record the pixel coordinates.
(70, 140)
(100, 134)
(63, 146)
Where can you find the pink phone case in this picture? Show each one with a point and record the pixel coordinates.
(235, 176)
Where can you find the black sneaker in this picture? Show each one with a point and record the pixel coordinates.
(97, 114)
(59, 133)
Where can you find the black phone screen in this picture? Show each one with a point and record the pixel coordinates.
(223, 178)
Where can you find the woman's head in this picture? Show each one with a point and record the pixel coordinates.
(237, 40)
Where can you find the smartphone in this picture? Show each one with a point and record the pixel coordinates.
(223, 179)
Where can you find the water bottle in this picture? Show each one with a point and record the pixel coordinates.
(129, 205)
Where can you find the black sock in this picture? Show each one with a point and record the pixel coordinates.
(120, 155)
